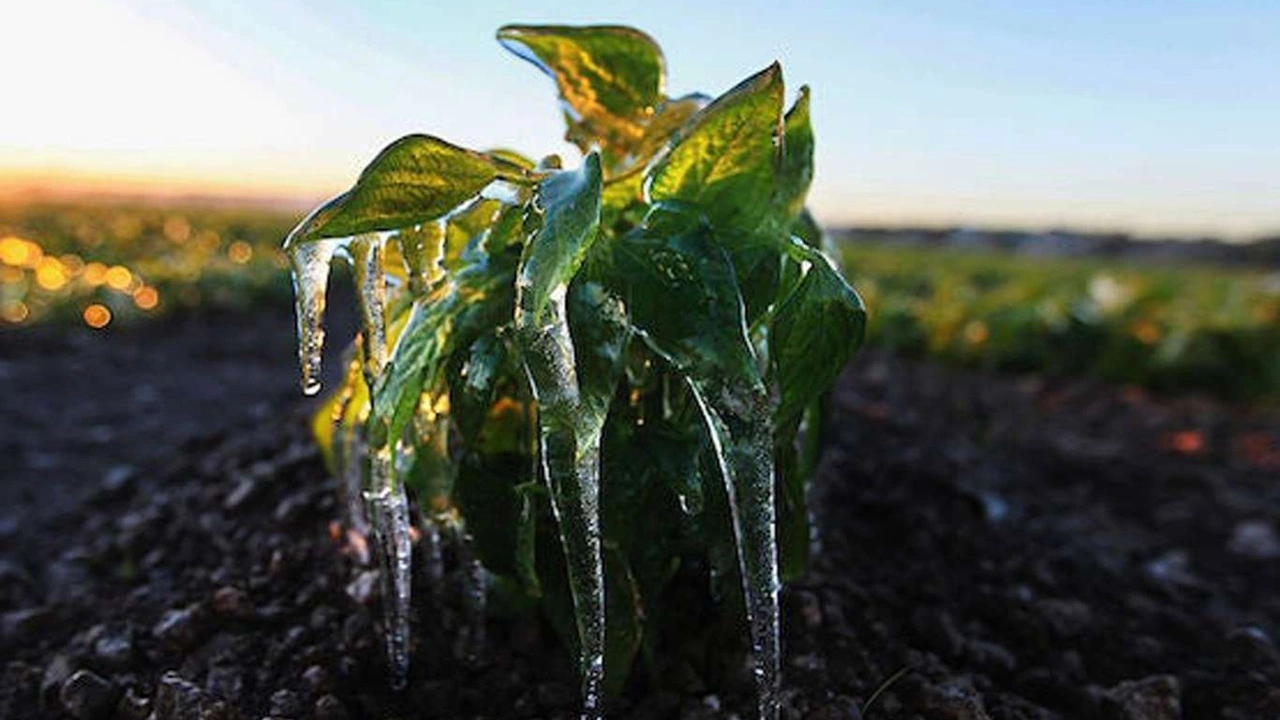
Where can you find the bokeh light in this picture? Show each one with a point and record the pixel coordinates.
(240, 252)
(97, 316)
(118, 277)
(146, 298)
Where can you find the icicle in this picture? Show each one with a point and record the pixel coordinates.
(569, 448)
(371, 284)
(740, 429)
(385, 497)
(389, 511)
(309, 263)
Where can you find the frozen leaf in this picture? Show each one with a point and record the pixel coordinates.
(610, 78)
(725, 158)
(416, 179)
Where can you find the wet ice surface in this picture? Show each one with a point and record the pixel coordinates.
(309, 265)
(739, 426)
(389, 514)
(385, 504)
(569, 438)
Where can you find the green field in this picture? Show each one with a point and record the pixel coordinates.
(1172, 328)
(105, 263)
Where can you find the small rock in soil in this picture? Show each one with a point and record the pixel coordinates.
(115, 485)
(225, 682)
(179, 699)
(1158, 697)
(232, 602)
(1253, 645)
(1255, 539)
(293, 508)
(180, 628)
(954, 700)
(240, 495)
(87, 695)
(1172, 568)
(285, 704)
(55, 674)
(113, 648)
(17, 624)
(133, 706)
(329, 707)
(316, 679)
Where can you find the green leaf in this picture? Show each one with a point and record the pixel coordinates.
(454, 314)
(431, 475)
(807, 229)
(513, 157)
(600, 330)
(795, 174)
(815, 332)
(422, 248)
(679, 287)
(415, 179)
(486, 493)
(466, 229)
(610, 78)
(569, 204)
(726, 157)
(476, 371)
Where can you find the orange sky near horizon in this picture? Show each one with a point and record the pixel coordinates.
(920, 122)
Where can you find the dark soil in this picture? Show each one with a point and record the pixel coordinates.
(1017, 548)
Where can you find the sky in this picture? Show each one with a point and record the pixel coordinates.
(1152, 117)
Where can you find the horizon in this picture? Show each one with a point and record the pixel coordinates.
(1152, 119)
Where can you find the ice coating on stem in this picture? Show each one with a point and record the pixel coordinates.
(385, 497)
(366, 252)
(738, 423)
(389, 511)
(569, 447)
(309, 265)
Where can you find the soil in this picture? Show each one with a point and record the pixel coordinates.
(1012, 548)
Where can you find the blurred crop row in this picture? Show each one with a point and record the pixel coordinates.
(99, 264)
(1174, 327)
(1169, 327)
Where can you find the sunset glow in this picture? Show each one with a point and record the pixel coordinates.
(965, 114)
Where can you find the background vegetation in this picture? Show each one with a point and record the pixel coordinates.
(1170, 327)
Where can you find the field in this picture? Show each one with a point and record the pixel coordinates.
(1009, 524)
(104, 262)
(1168, 328)
(1173, 328)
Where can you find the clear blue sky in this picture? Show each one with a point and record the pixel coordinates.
(1129, 114)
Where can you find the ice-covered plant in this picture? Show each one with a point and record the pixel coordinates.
(597, 374)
